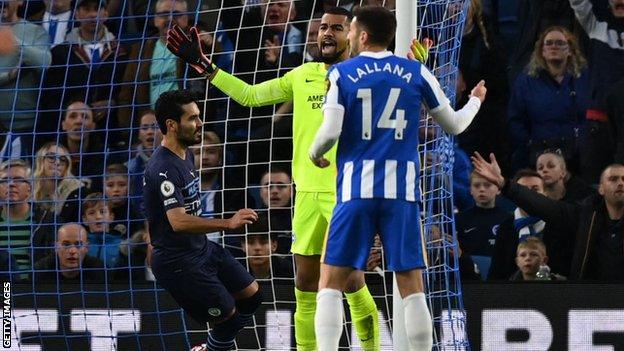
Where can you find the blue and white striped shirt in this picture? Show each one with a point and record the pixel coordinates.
(381, 95)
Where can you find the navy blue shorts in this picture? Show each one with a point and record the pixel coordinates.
(205, 290)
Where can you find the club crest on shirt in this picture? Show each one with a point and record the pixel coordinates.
(215, 312)
(166, 188)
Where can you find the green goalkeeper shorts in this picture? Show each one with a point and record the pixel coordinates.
(312, 216)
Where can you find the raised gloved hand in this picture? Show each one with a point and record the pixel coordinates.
(419, 50)
(189, 49)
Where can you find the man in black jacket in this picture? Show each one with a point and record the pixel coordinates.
(598, 221)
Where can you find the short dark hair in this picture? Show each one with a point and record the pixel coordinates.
(340, 11)
(116, 169)
(259, 228)
(613, 165)
(525, 173)
(93, 200)
(169, 106)
(378, 22)
(276, 169)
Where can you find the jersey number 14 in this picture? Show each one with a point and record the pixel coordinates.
(385, 121)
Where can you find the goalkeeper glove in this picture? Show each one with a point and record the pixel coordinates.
(420, 50)
(189, 49)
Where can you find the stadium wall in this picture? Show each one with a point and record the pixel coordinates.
(499, 317)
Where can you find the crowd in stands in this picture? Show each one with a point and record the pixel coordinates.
(77, 127)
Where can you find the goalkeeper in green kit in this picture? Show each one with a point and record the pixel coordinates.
(315, 198)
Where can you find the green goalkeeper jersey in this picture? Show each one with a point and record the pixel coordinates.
(305, 86)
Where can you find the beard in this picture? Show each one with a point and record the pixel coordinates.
(189, 140)
(331, 59)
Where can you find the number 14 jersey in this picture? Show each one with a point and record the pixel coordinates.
(381, 94)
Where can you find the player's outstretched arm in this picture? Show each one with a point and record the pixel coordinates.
(453, 122)
(187, 48)
(182, 222)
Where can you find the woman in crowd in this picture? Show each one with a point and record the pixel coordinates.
(55, 187)
(548, 102)
(559, 183)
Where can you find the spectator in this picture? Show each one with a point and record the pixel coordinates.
(209, 160)
(282, 42)
(97, 217)
(276, 189)
(84, 145)
(534, 17)
(276, 193)
(214, 197)
(153, 69)
(128, 219)
(548, 102)
(516, 229)
(606, 69)
(597, 221)
(559, 184)
(260, 248)
(215, 200)
(71, 262)
(57, 20)
(477, 227)
(149, 138)
(90, 64)
(311, 48)
(55, 187)
(26, 231)
(531, 254)
(21, 71)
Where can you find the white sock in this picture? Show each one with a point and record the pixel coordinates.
(328, 319)
(418, 322)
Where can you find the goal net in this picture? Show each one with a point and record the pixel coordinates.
(78, 81)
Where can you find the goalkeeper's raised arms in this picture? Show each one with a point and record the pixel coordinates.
(189, 49)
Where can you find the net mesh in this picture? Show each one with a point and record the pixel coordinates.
(76, 112)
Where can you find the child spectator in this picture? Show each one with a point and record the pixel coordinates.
(276, 194)
(128, 218)
(477, 227)
(260, 248)
(517, 229)
(559, 183)
(104, 242)
(530, 256)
